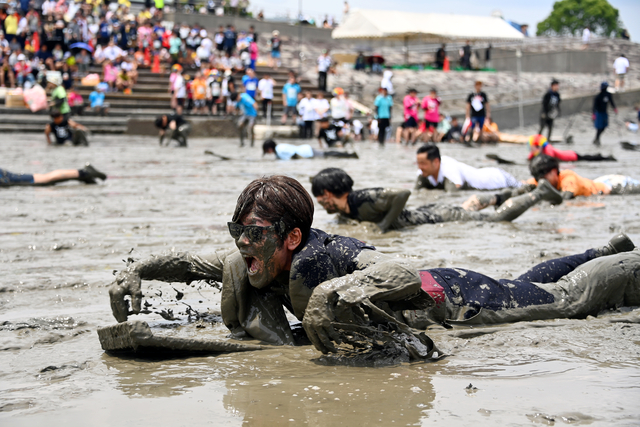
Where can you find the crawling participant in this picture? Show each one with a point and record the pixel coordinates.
(88, 175)
(451, 175)
(569, 183)
(64, 130)
(304, 151)
(173, 126)
(333, 188)
(336, 284)
(332, 134)
(538, 144)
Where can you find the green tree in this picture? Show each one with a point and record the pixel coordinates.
(570, 17)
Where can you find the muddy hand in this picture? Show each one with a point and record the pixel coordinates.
(317, 323)
(126, 283)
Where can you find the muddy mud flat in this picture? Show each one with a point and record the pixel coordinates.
(60, 245)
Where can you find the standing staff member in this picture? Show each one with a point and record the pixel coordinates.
(550, 108)
(600, 116)
(477, 111)
(383, 104)
(324, 64)
(620, 67)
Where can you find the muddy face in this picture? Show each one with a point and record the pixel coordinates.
(552, 177)
(328, 202)
(265, 256)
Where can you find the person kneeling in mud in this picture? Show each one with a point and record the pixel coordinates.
(345, 291)
(333, 188)
(304, 151)
(569, 183)
(332, 134)
(173, 126)
(65, 130)
(88, 175)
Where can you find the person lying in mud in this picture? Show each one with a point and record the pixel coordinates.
(443, 172)
(333, 189)
(343, 289)
(88, 175)
(570, 184)
(538, 145)
(173, 126)
(304, 151)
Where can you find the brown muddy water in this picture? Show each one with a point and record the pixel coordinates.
(59, 246)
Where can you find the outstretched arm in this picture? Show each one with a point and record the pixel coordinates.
(182, 267)
(383, 281)
(393, 202)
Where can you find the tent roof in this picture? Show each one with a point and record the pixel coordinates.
(373, 24)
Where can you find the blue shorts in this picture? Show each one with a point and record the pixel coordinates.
(252, 65)
(275, 54)
(7, 178)
(602, 121)
(477, 121)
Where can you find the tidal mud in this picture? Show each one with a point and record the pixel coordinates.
(158, 200)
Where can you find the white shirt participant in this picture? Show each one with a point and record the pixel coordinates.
(324, 63)
(265, 86)
(467, 176)
(620, 65)
(307, 110)
(322, 107)
(339, 108)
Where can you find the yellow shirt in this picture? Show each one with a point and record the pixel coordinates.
(11, 24)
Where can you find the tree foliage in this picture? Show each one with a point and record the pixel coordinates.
(570, 17)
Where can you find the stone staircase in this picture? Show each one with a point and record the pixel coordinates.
(150, 98)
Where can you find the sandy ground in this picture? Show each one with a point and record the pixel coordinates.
(59, 246)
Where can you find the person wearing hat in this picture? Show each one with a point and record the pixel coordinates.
(64, 129)
(59, 95)
(550, 108)
(173, 126)
(275, 43)
(600, 116)
(538, 145)
(22, 71)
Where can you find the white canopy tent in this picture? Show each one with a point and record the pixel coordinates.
(426, 27)
(373, 24)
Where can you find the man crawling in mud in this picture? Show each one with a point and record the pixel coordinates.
(333, 189)
(345, 291)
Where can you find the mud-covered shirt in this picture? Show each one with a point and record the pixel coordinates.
(61, 131)
(330, 135)
(570, 181)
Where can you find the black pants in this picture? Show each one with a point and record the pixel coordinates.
(383, 124)
(265, 107)
(307, 129)
(548, 123)
(322, 80)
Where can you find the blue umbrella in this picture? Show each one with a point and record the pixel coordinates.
(81, 45)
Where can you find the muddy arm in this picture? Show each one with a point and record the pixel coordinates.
(393, 202)
(181, 267)
(382, 280)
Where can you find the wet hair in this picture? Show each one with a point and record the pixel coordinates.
(554, 82)
(432, 151)
(277, 199)
(269, 144)
(334, 180)
(233, 96)
(324, 120)
(158, 121)
(542, 165)
(55, 113)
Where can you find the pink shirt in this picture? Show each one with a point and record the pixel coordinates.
(411, 104)
(253, 48)
(431, 107)
(562, 155)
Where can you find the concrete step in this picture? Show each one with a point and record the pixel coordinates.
(35, 128)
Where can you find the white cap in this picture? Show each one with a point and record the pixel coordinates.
(21, 57)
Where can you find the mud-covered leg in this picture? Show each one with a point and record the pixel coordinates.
(552, 270)
(516, 206)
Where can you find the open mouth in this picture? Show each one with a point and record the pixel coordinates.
(252, 264)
